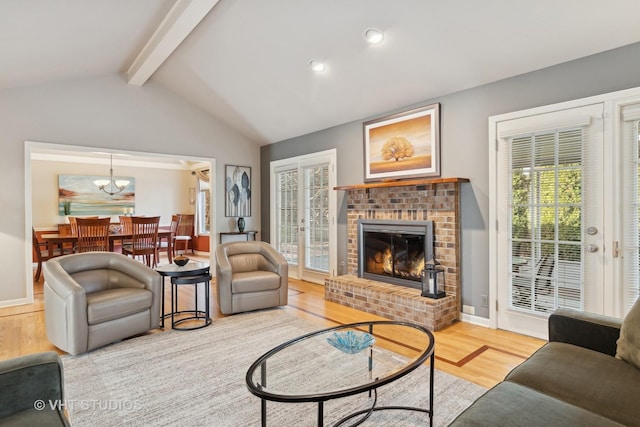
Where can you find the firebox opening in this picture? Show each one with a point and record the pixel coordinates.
(394, 251)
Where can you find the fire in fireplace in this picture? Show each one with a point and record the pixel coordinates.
(394, 251)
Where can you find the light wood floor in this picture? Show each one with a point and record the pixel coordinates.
(481, 355)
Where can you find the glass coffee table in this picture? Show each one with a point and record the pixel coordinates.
(338, 362)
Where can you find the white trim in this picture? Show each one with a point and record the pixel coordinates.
(31, 147)
(475, 320)
(19, 301)
(28, 223)
(507, 132)
(613, 102)
(296, 162)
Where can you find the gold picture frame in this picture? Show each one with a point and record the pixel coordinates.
(403, 145)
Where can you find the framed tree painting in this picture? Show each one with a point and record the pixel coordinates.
(403, 145)
(237, 191)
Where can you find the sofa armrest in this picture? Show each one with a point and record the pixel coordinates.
(28, 379)
(591, 331)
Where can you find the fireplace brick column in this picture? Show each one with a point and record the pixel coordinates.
(434, 200)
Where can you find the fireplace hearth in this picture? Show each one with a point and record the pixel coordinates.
(394, 251)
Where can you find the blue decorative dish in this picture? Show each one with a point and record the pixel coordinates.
(350, 341)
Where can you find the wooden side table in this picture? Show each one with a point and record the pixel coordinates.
(248, 235)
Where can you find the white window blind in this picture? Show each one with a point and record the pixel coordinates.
(317, 189)
(630, 180)
(287, 213)
(546, 213)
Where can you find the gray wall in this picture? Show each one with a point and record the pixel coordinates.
(465, 152)
(103, 112)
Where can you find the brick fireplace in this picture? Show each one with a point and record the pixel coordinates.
(436, 200)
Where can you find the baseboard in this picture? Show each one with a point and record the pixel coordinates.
(475, 320)
(14, 302)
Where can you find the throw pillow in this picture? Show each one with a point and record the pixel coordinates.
(628, 345)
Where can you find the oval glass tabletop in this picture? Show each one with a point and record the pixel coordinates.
(339, 361)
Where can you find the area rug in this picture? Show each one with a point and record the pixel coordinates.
(198, 378)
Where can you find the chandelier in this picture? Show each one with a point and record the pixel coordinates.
(111, 186)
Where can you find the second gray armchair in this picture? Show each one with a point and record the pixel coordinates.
(250, 276)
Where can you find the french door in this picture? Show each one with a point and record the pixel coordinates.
(303, 214)
(550, 216)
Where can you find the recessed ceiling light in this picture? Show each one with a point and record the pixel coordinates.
(373, 35)
(317, 66)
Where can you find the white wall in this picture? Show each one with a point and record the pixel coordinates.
(103, 112)
(161, 192)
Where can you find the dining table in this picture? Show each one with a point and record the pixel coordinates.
(58, 240)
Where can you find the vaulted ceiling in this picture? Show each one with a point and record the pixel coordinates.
(246, 62)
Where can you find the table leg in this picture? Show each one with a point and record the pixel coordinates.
(432, 363)
(320, 414)
(162, 304)
(263, 402)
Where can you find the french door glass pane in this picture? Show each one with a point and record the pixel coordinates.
(317, 218)
(546, 221)
(287, 206)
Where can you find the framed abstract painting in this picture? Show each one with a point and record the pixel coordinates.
(237, 191)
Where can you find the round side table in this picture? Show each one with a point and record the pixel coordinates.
(196, 315)
(192, 268)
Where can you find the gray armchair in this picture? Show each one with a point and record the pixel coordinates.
(250, 276)
(31, 391)
(96, 298)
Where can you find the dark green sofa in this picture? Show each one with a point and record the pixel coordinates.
(31, 391)
(573, 380)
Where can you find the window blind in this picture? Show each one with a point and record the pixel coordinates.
(631, 177)
(546, 210)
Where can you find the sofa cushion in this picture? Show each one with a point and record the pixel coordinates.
(628, 345)
(584, 378)
(511, 404)
(116, 303)
(254, 281)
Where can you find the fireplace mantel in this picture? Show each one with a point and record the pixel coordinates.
(402, 183)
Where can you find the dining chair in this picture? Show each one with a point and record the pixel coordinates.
(93, 234)
(41, 253)
(163, 246)
(184, 233)
(73, 222)
(144, 239)
(125, 228)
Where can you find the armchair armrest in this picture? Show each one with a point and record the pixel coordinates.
(591, 331)
(277, 260)
(151, 279)
(27, 379)
(224, 273)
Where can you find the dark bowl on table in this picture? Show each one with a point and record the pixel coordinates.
(181, 260)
